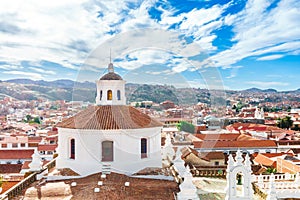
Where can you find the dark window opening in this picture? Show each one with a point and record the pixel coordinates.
(107, 151)
(119, 95)
(72, 146)
(143, 148)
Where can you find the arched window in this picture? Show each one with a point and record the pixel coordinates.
(109, 95)
(107, 151)
(100, 95)
(143, 148)
(119, 95)
(72, 149)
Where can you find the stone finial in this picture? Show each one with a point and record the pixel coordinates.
(247, 161)
(187, 189)
(272, 189)
(36, 163)
(168, 152)
(230, 161)
(238, 158)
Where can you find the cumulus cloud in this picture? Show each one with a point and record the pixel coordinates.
(271, 57)
(30, 75)
(259, 30)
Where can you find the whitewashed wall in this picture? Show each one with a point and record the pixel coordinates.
(127, 149)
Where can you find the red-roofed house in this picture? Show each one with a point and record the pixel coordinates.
(15, 156)
(233, 142)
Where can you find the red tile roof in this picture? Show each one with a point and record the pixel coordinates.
(109, 117)
(34, 139)
(47, 147)
(16, 154)
(235, 144)
(218, 155)
(264, 160)
(10, 168)
(215, 137)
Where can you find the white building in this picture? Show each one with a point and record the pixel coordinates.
(109, 134)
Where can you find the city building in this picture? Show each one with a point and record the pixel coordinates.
(109, 135)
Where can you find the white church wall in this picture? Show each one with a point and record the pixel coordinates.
(127, 149)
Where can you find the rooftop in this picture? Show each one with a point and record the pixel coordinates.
(16, 153)
(109, 118)
(111, 76)
(112, 188)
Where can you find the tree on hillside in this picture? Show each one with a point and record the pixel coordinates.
(285, 122)
(185, 126)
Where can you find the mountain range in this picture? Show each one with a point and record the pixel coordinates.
(27, 89)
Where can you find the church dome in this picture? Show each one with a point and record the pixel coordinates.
(111, 76)
(109, 118)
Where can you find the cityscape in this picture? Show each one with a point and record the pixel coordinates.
(183, 100)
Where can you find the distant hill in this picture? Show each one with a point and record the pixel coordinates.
(61, 83)
(26, 89)
(270, 90)
(253, 90)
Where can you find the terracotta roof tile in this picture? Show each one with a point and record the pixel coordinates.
(10, 168)
(215, 137)
(109, 117)
(47, 147)
(264, 160)
(16, 154)
(234, 144)
(212, 155)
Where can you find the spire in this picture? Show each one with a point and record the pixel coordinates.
(109, 55)
(110, 65)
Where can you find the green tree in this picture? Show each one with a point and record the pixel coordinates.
(285, 122)
(28, 118)
(37, 120)
(271, 170)
(185, 126)
(1, 180)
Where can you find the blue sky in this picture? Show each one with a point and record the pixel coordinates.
(194, 43)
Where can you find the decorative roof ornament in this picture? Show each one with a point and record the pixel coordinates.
(187, 189)
(36, 163)
(239, 159)
(110, 65)
(111, 68)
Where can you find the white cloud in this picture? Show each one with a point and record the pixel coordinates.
(42, 71)
(10, 67)
(30, 75)
(259, 31)
(56, 31)
(271, 57)
(64, 32)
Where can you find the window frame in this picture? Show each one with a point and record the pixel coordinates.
(144, 148)
(72, 149)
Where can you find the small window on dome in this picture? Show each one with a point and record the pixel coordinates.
(109, 95)
(119, 94)
(100, 95)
